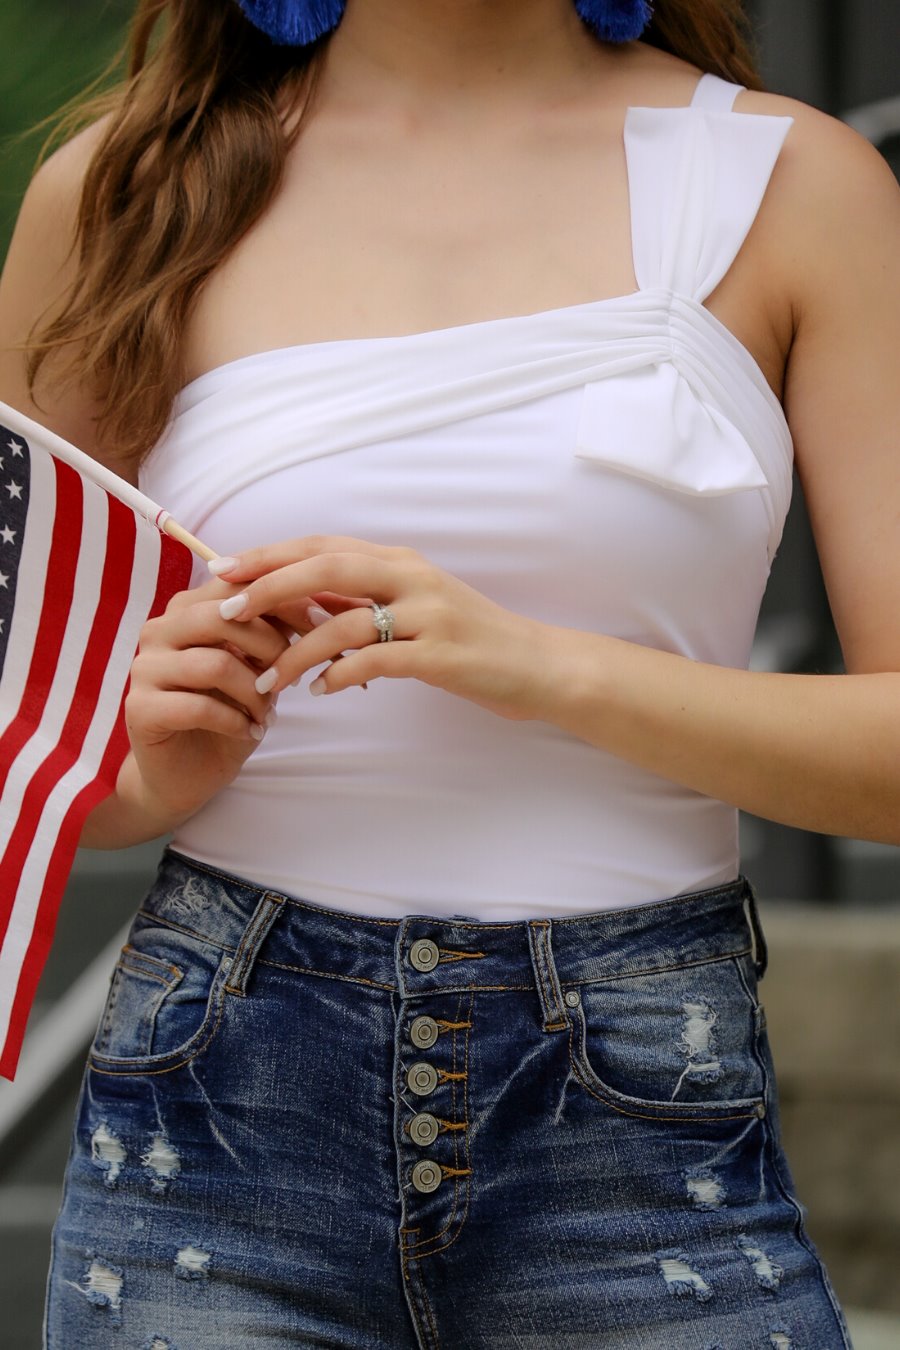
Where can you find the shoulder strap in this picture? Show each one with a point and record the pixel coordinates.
(715, 94)
(697, 177)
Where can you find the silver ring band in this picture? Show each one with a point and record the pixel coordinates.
(383, 620)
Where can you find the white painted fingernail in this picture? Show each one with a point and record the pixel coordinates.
(266, 680)
(219, 565)
(230, 608)
(317, 686)
(256, 731)
(316, 615)
(270, 718)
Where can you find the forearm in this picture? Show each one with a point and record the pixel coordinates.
(126, 816)
(813, 751)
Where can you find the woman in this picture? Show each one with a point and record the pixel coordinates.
(440, 1026)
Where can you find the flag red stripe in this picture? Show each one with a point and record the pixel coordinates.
(114, 589)
(173, 575)
(57, 601)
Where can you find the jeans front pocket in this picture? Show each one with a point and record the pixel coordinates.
(139, 984)
(171, 986)
(165, 1000)
(673, 1044)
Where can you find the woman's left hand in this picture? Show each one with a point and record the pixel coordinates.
(445, 633)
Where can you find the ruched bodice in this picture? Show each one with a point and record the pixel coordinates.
(619, 466)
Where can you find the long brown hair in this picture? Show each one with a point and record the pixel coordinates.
(194, 151)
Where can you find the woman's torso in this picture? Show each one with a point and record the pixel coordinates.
(484, 443)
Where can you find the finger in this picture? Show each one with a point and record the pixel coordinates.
(170, 712)
(202, 669)
(325, 642)
(255, 562)
(344, 572)
(336, 604)
(392, 660)
(201, 625)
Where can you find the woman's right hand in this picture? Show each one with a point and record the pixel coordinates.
(192, 712)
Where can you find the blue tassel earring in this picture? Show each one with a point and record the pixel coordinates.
(615, 20)
(294, 23)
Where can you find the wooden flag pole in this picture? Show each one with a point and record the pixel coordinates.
(103, 477)
(170, 526)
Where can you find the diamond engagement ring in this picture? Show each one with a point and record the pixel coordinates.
(383, 620)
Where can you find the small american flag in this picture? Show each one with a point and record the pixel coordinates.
(81, 570)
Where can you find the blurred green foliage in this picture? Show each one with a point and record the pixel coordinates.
(50, 50)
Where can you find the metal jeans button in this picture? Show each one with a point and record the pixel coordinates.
(423, 1128)
(423, 954)
(422, 1078)
(423, 1032)
(426, 1176)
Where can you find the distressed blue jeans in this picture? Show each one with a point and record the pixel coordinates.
(302, 1127)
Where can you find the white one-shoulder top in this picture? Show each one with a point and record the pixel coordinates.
(618, 467)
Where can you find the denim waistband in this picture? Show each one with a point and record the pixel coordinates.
(454, 953)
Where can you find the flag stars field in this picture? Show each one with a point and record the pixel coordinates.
(82, 571)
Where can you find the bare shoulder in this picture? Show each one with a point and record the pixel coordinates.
(39, 270)
(832, 218)
(833, 204)
(819, 147)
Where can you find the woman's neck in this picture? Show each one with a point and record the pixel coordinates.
(410, 54)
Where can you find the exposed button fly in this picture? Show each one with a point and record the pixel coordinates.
(426, 1176)
(423, 954)
(423, 1032)
(423, 1128)
(422, 1078)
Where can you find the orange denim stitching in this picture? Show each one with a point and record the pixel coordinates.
(258, 929)
(449, 1222)
(327, 974)
(168, 965)
(149, 974)
(661, 970)
(649, 1115)
(671, 903)
(539, 963)
(260, 890)
(448, 954)
(426, 1241)
(428, 1310)
(157, 1073)
(181, 928)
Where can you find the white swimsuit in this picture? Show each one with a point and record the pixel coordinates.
(620, 466)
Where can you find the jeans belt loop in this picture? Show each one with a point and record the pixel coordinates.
(760, 949)
(546, 979)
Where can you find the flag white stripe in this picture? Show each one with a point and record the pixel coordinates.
(141, 594)
(29, 586)
(85, 596)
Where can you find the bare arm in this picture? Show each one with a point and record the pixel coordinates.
(39, 269)
(821, 753)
